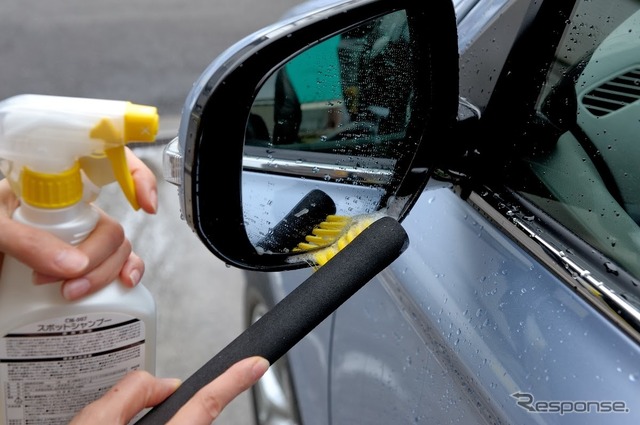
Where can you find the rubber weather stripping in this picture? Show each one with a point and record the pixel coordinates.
(616, 302)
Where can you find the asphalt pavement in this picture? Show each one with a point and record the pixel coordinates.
(148, 52)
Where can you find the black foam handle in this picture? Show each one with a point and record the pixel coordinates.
(300, 312)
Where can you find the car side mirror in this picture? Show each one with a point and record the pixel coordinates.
(342, 111)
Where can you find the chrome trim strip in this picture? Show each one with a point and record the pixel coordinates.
(608, 295)
(318, 171)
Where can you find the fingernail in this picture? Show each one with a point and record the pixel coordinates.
(153, 197)
(74, 289)
(71, 260)
(174, 383)
(259, 368)
(135, 277)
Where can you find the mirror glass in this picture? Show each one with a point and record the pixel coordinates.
(335, 116)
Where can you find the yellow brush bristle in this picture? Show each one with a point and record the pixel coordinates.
(325, 233)
(324, 255)
(331, 236)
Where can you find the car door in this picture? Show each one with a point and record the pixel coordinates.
(517, 299)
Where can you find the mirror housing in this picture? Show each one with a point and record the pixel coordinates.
(209, 154)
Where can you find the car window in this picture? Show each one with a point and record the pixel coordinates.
(584, 144)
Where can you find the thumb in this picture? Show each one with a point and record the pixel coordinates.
(205, 406)
(136, 391)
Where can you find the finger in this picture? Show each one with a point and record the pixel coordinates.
(55, 257)
(99, 277)
(144, 181)
(8, 201)
(132, 271)
(205, 406)
(107, 250)
(136, 391)
(104, 241)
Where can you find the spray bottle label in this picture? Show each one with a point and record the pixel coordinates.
(52, 369)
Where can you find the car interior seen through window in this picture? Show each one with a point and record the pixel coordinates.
(582, 146)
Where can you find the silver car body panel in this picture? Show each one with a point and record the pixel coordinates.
(457, 334)
(452, 333)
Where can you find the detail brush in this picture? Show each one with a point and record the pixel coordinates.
(371, 251)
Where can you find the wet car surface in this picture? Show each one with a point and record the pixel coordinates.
(472, 325)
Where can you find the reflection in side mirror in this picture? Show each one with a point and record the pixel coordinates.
(336, 117)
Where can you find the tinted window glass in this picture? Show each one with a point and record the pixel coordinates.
(584, 160)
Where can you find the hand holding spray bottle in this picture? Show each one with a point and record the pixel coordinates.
(56, 356)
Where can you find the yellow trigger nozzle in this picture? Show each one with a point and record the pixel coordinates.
(120, 168)
(140, 123)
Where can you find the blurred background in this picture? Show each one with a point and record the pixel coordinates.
(148, 52)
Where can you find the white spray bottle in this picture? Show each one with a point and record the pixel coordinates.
(56, 356)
